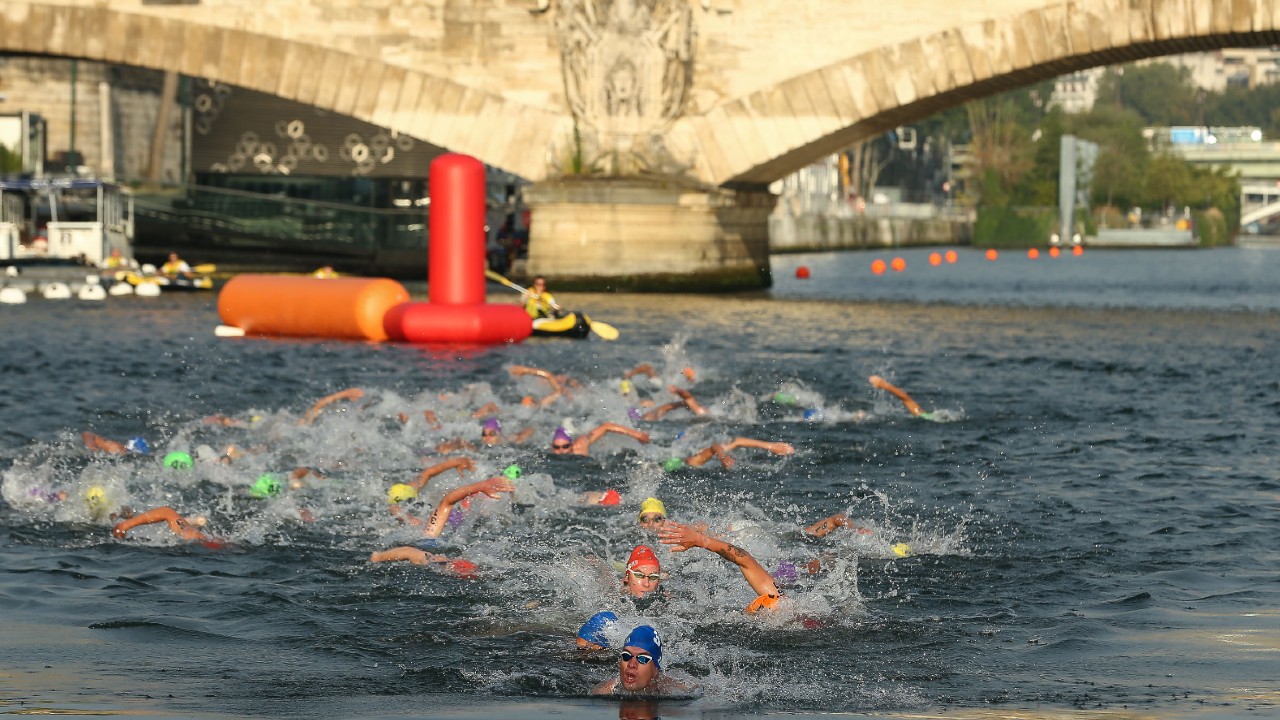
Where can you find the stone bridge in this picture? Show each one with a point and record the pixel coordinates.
(649, 127)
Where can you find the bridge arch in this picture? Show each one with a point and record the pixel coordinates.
(422, 103)
(773, 132)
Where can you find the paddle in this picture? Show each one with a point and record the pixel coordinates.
(604, 330)
(204, 269)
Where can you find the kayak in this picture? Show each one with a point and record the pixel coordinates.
(572, 325)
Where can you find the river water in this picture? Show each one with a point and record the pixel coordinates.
(1093, 516)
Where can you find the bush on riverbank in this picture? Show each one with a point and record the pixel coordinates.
(1211, 227)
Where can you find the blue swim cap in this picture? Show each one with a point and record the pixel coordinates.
(594, 628)
(814, 414)
(138, 445)
(647, 639)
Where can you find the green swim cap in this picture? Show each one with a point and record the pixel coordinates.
(784, 398)
(672, 464)
(512, 472)
(267, 485)
(178, 460)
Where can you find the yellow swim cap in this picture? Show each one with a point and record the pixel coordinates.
(903, 550)
(626, 387)
(652, 505)
(95, 497)
(400, 492)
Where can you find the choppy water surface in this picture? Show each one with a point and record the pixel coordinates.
(1094, 520)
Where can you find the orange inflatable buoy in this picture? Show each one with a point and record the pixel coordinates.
(351, 308)
(935, 259)
(898, 264)
(1054, 252)
(878, 267)
(992, 254)
(802, 272)
(1033, 253)
(951, 256)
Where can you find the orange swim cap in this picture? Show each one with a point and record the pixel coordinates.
(762, 602)
(611, 497)
(643, 555)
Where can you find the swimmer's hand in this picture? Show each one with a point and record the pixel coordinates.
(495, 486)
(680, 537)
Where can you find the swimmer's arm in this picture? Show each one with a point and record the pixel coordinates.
(702, 457)
(487, 411)
(97, 442)
(610, 427)
(694, 406)
(322, 403)
(608, 687)
(777, 448)
(826, 526)
(658, 412)
(493, 487)
(455, 445)
(462, 464)
(912, 406)
(641, 369)
(432, 420)
(156, 515)
(683, 537)
(411, 554)
(523, 436)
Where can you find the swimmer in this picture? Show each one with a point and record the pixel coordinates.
(556, 388)
(322, 403)
(684, 537)
(493, 487)
(827, 525)
(562, 443)
(653, 513)
(491, 433)
(462, 464)
(642, 578)
(606, 497)
(135, 445)
(911, 405)
(593, 635)
(184, 527)
(720, 451)
(686, 401)
(640, 667)
(454, 566)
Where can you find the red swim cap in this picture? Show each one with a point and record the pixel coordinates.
(611, 497)
(643, 555)
(463, 568)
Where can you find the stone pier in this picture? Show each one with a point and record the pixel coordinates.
(636, 234)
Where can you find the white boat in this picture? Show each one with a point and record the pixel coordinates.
(53, 221)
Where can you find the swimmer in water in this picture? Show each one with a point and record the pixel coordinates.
(684, 537)
(911, 405)
(562, 443)
(640, 667)
(593, 635)
(454, 566)
(134, 445)
(184, 527)
(720, 451)
(491, 434)
(642, 578)
(827, 525)
(556, 388)
(653, 513)
(322, 403)
(686, 401)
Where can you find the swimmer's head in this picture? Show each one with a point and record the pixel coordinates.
(178, 460)
(561, 442)
(634, 414)
(813, 414)
(643, 572)
(138, 445)
(400, 492)
(784, 398)
(512, 472)
(491, 431)
(594, 630)
(610, 497)
(785, 572)
(903, 550)
(267, 485)
(652, 513)
(642, 641)
(626, 387)
(96, 498)
(672, 464)
(462, 568)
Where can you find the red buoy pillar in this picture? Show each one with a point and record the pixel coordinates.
(456, 311)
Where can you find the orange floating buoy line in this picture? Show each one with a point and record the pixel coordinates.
(379, 308)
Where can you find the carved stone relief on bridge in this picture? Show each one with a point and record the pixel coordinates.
(628, 67)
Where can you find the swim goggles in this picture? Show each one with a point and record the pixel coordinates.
(652, 518)
(642, 658)
(641, 576)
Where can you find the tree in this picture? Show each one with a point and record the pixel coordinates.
(1160, 93)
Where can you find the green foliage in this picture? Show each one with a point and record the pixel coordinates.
(10, 162)
(1160, 93)
(1013, 227)
(1211, 227)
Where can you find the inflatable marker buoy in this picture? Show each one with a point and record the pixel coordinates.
(92, 292)
(120, 288)
(56, 291)
(147, 290)
(12, 296)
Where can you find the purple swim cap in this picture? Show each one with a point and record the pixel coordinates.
(561, 434)
(633, 413)
(492, 424)
(786, 572)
